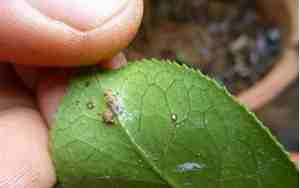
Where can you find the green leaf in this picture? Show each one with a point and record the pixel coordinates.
(156, 124)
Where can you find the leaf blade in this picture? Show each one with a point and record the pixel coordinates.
(201, 141)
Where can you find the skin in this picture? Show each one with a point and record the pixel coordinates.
(38, 35)
(66, 33)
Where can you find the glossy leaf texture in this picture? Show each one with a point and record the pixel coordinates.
(157, 124)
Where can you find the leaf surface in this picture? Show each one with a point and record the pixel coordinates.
(161, 125)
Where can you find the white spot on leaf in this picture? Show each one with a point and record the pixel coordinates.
(189, 166)
(174, 117)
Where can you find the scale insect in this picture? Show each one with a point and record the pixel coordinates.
(112, 107)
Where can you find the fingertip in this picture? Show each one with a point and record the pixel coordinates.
(115, 63)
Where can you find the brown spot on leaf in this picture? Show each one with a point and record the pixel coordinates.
(87, 84)
(108, 117)
(90, 105)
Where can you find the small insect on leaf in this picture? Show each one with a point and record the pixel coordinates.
(112, 101)
(108, 117)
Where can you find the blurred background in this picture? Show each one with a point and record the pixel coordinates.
(251, 47)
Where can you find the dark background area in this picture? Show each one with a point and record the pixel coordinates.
(282, 116)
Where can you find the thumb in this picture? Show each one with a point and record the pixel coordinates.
(66, 33)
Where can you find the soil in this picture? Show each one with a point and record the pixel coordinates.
(229, 40)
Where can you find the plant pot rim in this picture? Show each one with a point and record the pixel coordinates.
(282, 74)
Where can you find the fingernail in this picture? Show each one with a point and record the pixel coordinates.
(80, 14)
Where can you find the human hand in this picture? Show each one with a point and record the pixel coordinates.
(30, 95)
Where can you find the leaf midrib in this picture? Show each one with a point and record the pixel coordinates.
(142, 153)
